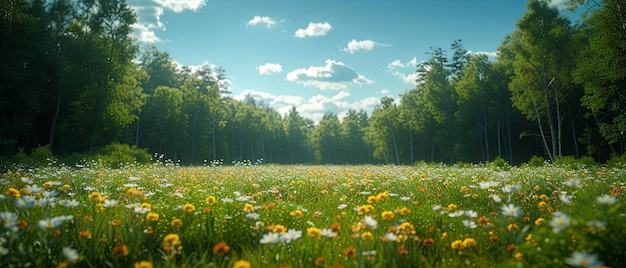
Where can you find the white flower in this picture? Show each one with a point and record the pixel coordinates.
(253, 216)
(456, 214)
(391, 237)
(471, 214)
(559, 222)
(511, 210)
(496, 198)
(507, 189)
(572, 182)
(487, 184)
(583, 259)
(290, 235)
(369, 253)
(328, 233)
(342, 206)
(109, 203)
(469, 223)
(567, 199)
(9, 220)
(436, 207)
(370, 222)
(270, 238)
(71, 203)
(607, 199)
(70, 254)
(404, 198)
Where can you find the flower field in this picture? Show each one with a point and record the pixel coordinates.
(312, 216)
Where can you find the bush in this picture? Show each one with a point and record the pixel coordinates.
(536, 161)
(617, 161)
(119, 154)
(500, 163)
(571, 162)
(39, 156)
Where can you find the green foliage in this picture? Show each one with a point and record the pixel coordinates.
(570, 162)
(39, 156)
(117, 154)
(500, 163)
(536, 161)
(617, 161)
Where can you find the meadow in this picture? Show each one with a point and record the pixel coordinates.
(257, 215)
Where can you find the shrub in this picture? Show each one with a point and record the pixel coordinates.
(500, 163)
(536, 161)
(617, 161)
(118, 154)
(39, 156)
(571, 162)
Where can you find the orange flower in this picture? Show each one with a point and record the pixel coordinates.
(402, 251)
(115, 223)
(221, 248)
(120, 250)
(320, 261)
(350, 252)
(482, 221)
(428, 242)
(336, 227)
(85, 234)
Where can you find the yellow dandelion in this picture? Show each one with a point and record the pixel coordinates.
(189, 207)
(13, 192)
(152, 216)
(313, 232)
(539, 221)
(457, 244)
(248, 208)
(177, 223)
(367, 236)
(279, 229)
(452, 207)
(297, 213)
(241, 264)
(387, 215)
(469, 242)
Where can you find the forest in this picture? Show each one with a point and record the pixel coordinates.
(73, 80)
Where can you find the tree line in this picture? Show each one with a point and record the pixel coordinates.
(73, 79)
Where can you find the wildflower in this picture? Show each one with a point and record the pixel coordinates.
(482, 221)
(143, 264)
(290, 235)
(428, 242)
(404, 211)
(342, 206)
(270, 238)
(456, 214)
(177, 223)
(452, 207)
(457, 244)
(470, 224)
(519, 256)
(70, 254)
(382, 196)
(402, 251)
(190, 207)
(51, 223)
(567, 199)
(407, 227)
(367, 236)
(279, 229)
(152, 216)
(328, 233)
(71, 203)
(559, 222)
(539, 221)
(9, 220)
(116, 223)
(471, 214)
(336, 227)
(95, 196)
(24, 202)
(320, 261)
(513, 227)
(120, 250)
(468, 242)
(542, 205)
(511, 210)
(221, 248)
(297, 213)
(583, 259)
(13, 192)
(85, 234)
(313, 232)
(370, 222)
(387, 215)
(170, 243)
(350, 252)
(248, 208)
(241, 264)
(607, 199)
(145, 206)
(109, 203)
(371, 199)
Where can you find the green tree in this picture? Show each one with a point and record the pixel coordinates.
(164, 121)
(326, 139)
(381, 133)
(542, 70)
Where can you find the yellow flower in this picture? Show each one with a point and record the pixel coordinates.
(313, 232)
(13, 192)
(95, 196)
(189, 207)
(143, 264)
(177, 223)
(382, 196)
(513, 227)
(241, 264)
(279, 229)
(457, 244)
(145, 206)
(404, 211)
(297, 213)
(387, 215)
(452, 207)
(367, 236)
(542, 204)
(371, 199)
(248, 208)
(407, 227)
(469, 242)
(539, 221)
(519, 256)
(151, 216)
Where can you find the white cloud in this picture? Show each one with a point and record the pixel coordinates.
(314, 29)
(269, 22)
(149, 15)
(270, 68)
(406, 71)
(558, 3)
(313, 108)
(383, 91)
(333, 76)
(362, 45)
(491, 55)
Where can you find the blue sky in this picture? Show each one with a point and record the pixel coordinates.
(321, 55)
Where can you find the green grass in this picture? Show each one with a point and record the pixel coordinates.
(336, 216)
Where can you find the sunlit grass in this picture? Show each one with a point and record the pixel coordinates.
(304, 216)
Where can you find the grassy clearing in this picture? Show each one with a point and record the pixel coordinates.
(312, 216)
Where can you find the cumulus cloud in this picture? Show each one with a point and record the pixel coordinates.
(270, 68)
(362, 45)
(269, 22)
(314, 29)
(333, 76)
(149, 15)
(406, 71)
(491, 55)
